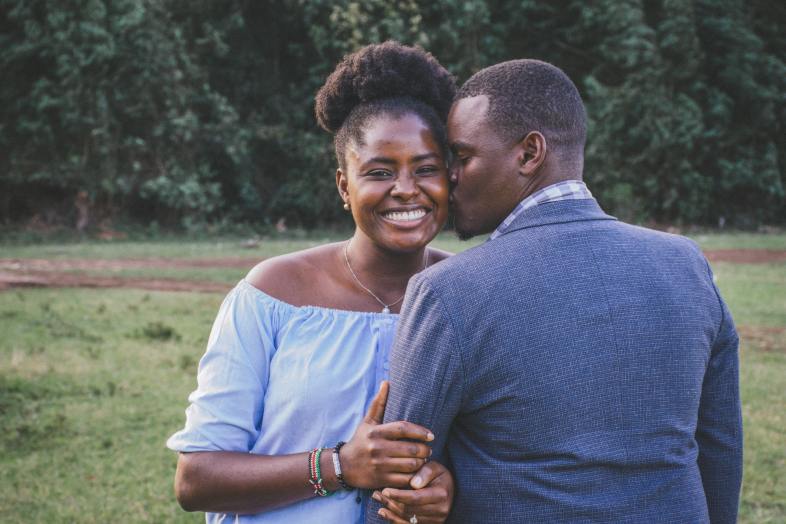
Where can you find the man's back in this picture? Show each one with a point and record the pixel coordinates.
(568, 379)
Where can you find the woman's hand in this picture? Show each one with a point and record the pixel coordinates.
(430, 501)
(376, 456)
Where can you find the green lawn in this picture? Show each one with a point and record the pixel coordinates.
(207, 248)
(93, 381)
(224, 275)
(271, 246)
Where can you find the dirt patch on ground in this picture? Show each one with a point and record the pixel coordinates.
(80, 264)
(746, 256)
(765, 338)
(34, 272)
(33, 279)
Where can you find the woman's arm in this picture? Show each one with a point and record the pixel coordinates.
(236, 482)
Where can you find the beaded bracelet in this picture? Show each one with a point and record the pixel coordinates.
(337, 467)
(315, 475)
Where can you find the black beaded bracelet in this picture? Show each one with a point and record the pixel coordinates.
(337, 467)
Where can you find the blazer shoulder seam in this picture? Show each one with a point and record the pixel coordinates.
(722, 322)
(457, 333)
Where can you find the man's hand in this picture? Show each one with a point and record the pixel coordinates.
(376, 456)
(430, 501)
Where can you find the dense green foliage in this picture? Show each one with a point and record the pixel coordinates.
(200, 111)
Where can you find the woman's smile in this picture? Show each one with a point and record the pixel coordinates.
(408, 217)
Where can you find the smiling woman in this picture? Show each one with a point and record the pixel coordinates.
(395, 183)
(301, 345)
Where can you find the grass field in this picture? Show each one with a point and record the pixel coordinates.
(271, 246)
(93, 381)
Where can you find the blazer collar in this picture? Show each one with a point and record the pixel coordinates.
(560, 212)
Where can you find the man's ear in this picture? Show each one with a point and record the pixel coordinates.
(341, 184)
(532, 153)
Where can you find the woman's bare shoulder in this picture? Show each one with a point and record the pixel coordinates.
(293, 276)
(437, 255)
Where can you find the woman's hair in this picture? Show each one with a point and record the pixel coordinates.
(388, 78)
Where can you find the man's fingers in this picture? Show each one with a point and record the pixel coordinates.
(391, 517)
(420, 499)
(434, 511)
(376, 411)
(391, 505)
(396, 480)
(396, 518)
(404, 430)
(427, 474)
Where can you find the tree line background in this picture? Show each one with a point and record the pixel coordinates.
(192, 112)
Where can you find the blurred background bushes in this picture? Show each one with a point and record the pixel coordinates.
(188, 113)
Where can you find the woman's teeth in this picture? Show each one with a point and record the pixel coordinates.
(405, 216)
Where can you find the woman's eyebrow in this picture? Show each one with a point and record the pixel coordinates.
(380, 160)
(391, 161)
(424, 156)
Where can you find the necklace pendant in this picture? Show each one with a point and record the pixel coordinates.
(386, 309)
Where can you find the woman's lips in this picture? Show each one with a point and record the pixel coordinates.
(406, 218)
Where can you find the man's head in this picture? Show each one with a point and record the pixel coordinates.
(514, 128)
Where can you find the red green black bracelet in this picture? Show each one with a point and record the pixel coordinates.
(314, 473)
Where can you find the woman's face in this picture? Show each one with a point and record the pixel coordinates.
(396, 183)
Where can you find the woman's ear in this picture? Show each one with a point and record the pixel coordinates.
(531, 153)
(341, 184)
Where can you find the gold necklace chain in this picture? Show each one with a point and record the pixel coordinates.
(385, 307)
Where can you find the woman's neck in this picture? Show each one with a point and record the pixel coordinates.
(380, 268)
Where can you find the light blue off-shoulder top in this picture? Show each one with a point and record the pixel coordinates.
(279, 379)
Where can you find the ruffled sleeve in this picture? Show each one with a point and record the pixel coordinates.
(226, 409)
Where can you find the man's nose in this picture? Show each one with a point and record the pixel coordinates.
(453, 172)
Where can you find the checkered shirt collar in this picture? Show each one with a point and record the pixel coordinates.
(567, 190)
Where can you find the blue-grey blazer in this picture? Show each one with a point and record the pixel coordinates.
(575, 369)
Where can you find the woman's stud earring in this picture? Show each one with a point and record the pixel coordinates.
(346, 206)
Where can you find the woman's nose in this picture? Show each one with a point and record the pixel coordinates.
(405, 187)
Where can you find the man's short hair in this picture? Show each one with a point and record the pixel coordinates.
(529, 95)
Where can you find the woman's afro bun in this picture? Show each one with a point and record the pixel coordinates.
(380, 71)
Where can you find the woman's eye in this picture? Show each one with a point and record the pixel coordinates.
(426, 170)
(379, 173)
